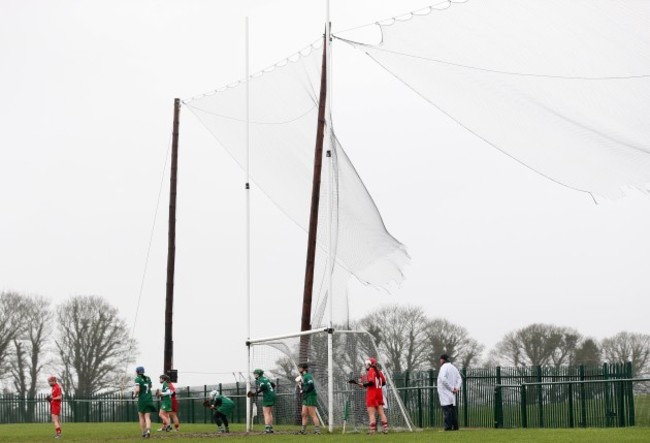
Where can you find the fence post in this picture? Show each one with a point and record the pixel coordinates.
(406, 385)
(238, 407)
(571, 419)
(540, 396)
(498, 406)
(464, 392)
(619, 390)
(129, 410)
(420, 411)
(524, 409)
(630, 394)
(205, 395)
(583, 398)
(432, 392)
(608, 400)
(189, 395)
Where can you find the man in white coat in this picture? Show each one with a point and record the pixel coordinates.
(449, 382)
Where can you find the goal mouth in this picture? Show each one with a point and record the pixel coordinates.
(334, 358)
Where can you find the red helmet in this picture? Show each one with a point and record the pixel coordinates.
(371, 361)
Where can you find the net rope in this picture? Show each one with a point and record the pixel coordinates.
(283, 118)
(561, 87)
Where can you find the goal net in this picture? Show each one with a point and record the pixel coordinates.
(340, 404)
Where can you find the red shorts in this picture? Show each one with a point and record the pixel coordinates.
(374, 398)
(174, 404)
(55, 408)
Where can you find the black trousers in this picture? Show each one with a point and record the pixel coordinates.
(450, 417)
(220, 418)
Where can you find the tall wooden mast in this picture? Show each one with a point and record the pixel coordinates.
(305, 323)
(171, 248)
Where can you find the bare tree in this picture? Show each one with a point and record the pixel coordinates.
(12, 325)
(400, 333)
(628, 346)
(588, 353)
(539, 344)
(93, 344)
(444, 337)
(30, 348)
(565, 351)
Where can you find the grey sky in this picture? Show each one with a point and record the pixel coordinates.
(86, 113)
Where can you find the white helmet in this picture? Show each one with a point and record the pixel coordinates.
(213, 393)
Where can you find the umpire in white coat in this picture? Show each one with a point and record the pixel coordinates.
(449, 382)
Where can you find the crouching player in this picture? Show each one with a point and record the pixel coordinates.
(221, 407)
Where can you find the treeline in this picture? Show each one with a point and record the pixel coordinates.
(82, 340)
(411, 341)
(85, 342)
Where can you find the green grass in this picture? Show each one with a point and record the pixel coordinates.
(642, 409)
(129, 432)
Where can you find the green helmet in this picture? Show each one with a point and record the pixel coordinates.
(258, 372)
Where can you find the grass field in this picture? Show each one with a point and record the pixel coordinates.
(129, 432)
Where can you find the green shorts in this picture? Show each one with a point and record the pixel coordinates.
(310, 401)
(268, 399)
(146, 407)
(166, 408)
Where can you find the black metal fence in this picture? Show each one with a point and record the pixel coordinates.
(541, 397)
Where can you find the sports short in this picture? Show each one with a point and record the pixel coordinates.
(146, 408)
(268, 400)
(310, 401)
(374, 398)
(174, 404)
(166, 408)
(55, 408)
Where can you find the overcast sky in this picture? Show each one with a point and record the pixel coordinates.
(87, 92)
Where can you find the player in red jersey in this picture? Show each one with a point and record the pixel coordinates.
(373, 382)
(173, 414)
(55, 397)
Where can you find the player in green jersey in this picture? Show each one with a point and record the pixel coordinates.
(267, 388)
(145, 401)
(165, 394)
(309, 398)
(222, 407)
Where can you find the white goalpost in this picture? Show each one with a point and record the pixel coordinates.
(334, 357)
